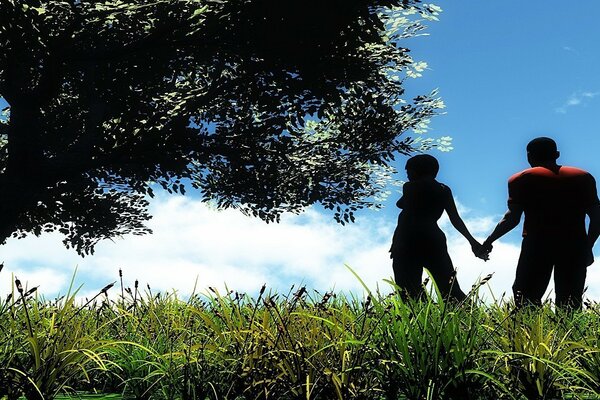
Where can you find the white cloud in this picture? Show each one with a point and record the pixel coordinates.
(576, 99)
(191, 241)
(572, 50)
(471, 269)
(194, 243)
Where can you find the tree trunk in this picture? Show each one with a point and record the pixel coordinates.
(24, 174)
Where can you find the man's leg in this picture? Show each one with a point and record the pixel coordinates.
(569, 282)
(569, 276)
(408, 275)
(533, 272)
(443, 273)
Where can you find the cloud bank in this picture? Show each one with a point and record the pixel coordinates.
(193, 245)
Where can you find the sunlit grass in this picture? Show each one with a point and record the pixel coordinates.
(297, 345)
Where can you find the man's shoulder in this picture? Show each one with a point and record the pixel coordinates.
(534, 171)
(566, 170)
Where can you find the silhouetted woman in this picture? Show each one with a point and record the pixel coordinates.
(418, 241)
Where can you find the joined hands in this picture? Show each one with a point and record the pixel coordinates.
(481, 250)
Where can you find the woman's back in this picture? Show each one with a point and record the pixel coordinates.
(423, 201)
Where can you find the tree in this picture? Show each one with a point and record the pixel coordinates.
(268, 106)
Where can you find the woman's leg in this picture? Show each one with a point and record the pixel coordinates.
(443, 273)
(408, 275)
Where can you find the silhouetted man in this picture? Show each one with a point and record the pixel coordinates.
(555, 200)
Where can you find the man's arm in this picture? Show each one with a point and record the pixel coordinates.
(594, 228)
(593, 213)
(593, 232)
(510, 220)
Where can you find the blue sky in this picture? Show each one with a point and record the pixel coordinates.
(508, 71)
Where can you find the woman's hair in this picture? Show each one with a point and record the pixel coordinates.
(423, 165)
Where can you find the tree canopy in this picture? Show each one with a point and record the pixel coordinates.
(267, 106)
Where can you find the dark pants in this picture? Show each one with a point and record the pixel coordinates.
(539, 256)
(413, 255)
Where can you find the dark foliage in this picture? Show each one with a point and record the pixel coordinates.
(264, 105)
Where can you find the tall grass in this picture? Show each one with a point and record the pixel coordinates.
(46, 345)
(296, 345)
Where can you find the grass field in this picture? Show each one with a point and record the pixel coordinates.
(296, 345)
(89, 396)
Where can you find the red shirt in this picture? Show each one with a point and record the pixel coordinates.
(555, 202)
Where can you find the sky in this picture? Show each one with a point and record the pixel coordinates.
(507, 71)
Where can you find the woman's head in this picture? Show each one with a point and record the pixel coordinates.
(422, 166)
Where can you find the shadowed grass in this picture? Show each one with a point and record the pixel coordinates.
(299, 345)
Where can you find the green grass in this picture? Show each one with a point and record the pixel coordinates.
(296, 345)
(89, 396)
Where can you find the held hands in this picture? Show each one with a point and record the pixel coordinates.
(481, 250)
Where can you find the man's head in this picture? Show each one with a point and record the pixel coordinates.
(542, 151)
(422, 166)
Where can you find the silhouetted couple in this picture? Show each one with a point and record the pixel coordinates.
(555, 200)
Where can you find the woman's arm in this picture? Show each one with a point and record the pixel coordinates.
(456, 220)
(460, 226)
